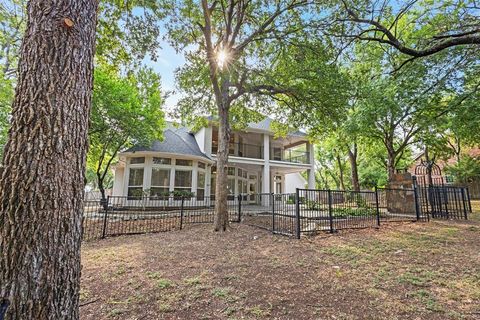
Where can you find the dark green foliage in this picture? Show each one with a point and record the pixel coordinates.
(465, 170)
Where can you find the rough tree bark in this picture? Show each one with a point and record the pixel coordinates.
(391, 160)
(221, 205)
(43, 178)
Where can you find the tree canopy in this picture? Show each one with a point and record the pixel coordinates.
(126, 110)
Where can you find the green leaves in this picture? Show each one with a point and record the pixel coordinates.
(126, 110)
(464, 170)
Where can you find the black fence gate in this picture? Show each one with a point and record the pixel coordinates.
(445, 202)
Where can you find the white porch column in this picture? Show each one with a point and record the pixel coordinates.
(208, 180)
(311, 171)
(266, 169)
(194, 177)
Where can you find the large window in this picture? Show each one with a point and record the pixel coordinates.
(277, 154)
(135, 182)
(200, 185)
(231, 188)
(183, 180)
(213, 183)
(160, 182)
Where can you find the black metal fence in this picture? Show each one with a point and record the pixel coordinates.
(445, 202)
(133, 215)
(306, 211)
(310, 211)
(273, 212)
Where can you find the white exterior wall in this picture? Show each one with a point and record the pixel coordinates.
(200, 138)
(118, 182)
(293, 181)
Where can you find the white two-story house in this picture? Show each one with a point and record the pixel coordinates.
(185, 161)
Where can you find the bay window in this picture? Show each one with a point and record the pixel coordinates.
(183, 180)
(135, 182)
(160, 182)
(200, 185)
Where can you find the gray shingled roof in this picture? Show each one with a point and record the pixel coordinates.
(176, 140)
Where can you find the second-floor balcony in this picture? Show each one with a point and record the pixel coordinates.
(253, 151)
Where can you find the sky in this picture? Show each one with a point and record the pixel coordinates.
(168, 60)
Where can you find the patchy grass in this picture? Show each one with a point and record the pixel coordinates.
(475, 216)
(401, 271)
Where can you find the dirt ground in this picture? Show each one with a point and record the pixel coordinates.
(400, 271)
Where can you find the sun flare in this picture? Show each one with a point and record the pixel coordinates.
(222, 58)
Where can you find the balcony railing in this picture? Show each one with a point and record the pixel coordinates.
(244, 150)
(290, 155)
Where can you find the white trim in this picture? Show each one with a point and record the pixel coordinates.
(166, 155)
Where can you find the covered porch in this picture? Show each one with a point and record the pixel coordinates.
(251, 180)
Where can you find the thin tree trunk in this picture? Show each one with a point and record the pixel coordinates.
(341, 169)
(429, 167)
(103, 199)
(42, 184)
(352, 156)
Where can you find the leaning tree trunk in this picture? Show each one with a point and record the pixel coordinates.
(42, 184)
(221, 202)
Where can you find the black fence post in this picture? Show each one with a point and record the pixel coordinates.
(330, 211)
(239, 208)
(377, 206)
(297, 212)
(181, 212)
(105, 216)
(464, 204)
(444, 198)
(468, 199)
(272, 196)
(415, 196)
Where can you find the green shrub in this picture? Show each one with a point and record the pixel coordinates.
(353, 212)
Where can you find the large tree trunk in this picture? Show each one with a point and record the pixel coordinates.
(42, 184)
(221, 201)
(391, 165)
(352, 156)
